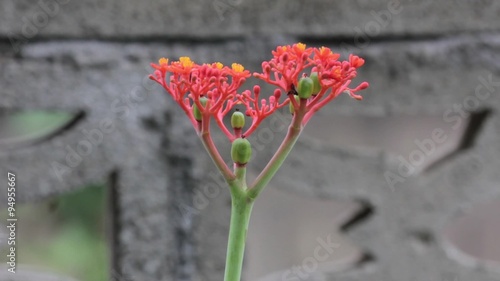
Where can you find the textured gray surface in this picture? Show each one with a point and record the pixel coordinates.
(223, 18)
(168, 231)
(410, 78)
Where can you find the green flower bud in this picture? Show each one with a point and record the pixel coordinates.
(196, 110)
(305, 87)
(316, 85)
(237, 120)
(241, 151)
(290, 105)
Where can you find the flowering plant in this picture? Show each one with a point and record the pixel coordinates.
(310, 79)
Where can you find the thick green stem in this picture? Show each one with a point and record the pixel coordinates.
(241, 208)
(241, 177)
(242, 197)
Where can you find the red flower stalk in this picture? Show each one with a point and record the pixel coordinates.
(257, 109)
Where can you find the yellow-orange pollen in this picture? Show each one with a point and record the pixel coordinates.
(163, 61)
(219, 65)
(237, 67)
(301, 46)
(325, 51)
(186, 61)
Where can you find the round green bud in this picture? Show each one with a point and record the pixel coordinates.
(316, 85)
(241, 151)
(196, 110)
(237, 120)
(305, 87)
(290, 105)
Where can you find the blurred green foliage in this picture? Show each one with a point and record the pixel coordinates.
(66, 235)
(22, 126)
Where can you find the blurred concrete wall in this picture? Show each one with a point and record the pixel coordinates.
(436, 58)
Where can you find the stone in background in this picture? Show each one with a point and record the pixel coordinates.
(91, 57)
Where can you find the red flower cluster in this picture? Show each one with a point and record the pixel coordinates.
(188, 83)
(218, 85)
(334, 76)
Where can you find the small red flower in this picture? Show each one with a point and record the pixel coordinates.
(286, 65)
